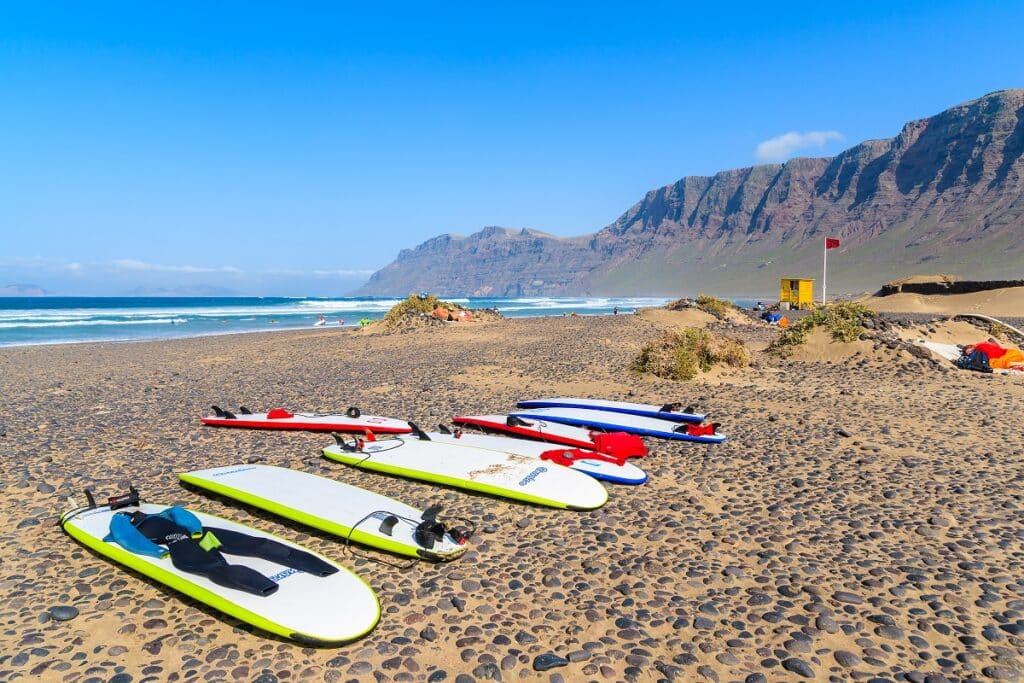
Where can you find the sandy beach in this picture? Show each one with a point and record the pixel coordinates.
(864, 521)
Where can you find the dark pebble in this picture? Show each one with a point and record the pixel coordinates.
(845, 596)
(798, 666)
(63, 612)
(756, 678)
(708, 673)
(437, 676)
(488, 671)
(548, 660)
(846, 658)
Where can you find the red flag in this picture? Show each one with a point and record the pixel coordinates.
(831, 243)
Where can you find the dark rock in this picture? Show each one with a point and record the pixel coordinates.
(488, 671)
(798, 666)
(846, 658)
(708, 673)
(548, 660)
(846, 596)
(63, 612)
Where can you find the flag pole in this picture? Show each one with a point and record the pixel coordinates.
(824, 274)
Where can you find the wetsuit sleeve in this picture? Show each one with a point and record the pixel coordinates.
(124, 534)
(184, 518)
(235, 543)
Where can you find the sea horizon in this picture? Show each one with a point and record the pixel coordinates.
(37, 320)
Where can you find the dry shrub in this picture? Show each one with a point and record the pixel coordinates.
(716, 307)
(842, 320)
(680, 354)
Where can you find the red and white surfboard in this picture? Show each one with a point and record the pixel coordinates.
(613, 443)
(350, 421)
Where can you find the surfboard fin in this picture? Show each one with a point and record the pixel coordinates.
(345, 445)
(420, 434)
(244, 411)
(443, 428)
(513, 421)
(217, 411)
(388, 525)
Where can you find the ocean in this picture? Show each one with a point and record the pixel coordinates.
(63, 320)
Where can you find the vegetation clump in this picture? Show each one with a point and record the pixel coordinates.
(999, 331)
(426, 310)
(844, 321)
(680, 354)
(704, 302)
(416, 305)
(716, 307)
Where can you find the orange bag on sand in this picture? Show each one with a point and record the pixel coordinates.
(784, 322)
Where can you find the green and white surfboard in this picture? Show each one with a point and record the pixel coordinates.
(347, 511)
(310, 609)
(508, 475)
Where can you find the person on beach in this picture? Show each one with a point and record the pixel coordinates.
(999, 358)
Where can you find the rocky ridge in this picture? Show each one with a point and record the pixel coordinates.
(946, 194)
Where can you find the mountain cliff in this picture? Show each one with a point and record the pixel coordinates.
(946, 194)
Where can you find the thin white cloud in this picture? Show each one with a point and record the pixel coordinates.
(342, 273)
(781, 147)
(135, 264)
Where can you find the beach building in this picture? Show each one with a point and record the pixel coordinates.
(796, 292)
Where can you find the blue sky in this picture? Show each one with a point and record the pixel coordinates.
(291, 150)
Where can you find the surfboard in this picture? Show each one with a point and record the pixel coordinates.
(613, 443)
(306, 608)
(351, 421)
(347, 511)
(507, 475)
(634, 424)
(617, 473)
(673, 412)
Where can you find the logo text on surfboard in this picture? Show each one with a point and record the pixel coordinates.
(532, 475)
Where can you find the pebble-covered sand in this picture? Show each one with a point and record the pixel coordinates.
(864, 521)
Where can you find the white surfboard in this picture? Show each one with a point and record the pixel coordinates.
(673, 412)
(635, 424)
(950, 352)
(625, 473)
(351, 421)
(347, 511)
(500, 474)
(612, 443)
(306, 608)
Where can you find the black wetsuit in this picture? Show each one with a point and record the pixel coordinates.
(189, 555)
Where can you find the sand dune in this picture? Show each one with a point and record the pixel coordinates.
(1007, 302)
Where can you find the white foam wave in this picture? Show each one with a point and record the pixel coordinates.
(84, 323)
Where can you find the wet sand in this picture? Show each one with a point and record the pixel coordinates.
(865, 519)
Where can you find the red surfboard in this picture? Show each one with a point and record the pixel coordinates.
(351, 420)
(618, 444)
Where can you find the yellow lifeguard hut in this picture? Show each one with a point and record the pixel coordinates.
(798, 292)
